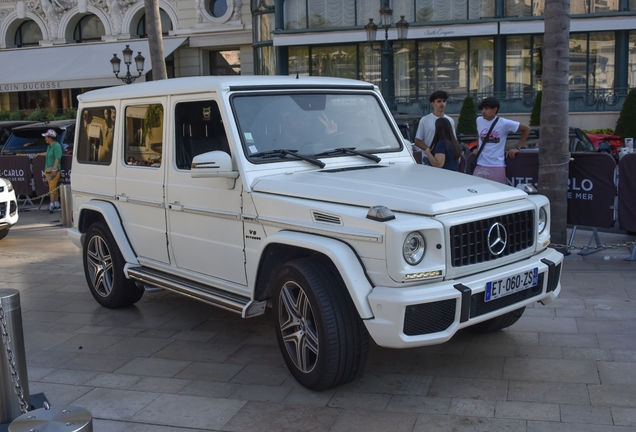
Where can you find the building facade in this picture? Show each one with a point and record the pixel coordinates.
(52, 50)
(465, 47)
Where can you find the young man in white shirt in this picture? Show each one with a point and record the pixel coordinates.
(426, 127)
(491, 163)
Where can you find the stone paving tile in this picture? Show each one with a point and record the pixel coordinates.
(83, 343)
(114, 381)
(569, 340)
(195, 351)
(538, 352)
(459, 366)
(439, 423)
(359, 401)
(528, 411)
(489, 350)
(546, 325)
(261, 375)
(115, 404)
(620, 341)
(383, 360)
(260, 393)
(396, 384)
(153, 367)
(221, 372)
(261, 355)
(160, 385)
(613, 395)
(48, 358)
(624, 416)
(556, 370)
(587, 354)
(97, 362)
(621, 355)
(472, 407)
(447, 387)
(419, 404)
(374, 421)
(37, 373)
(540, 426)
(586, 414)
(210, 389)
(619, 327)
(59, 394)
(541, 391)
(189, 411)
(269, 417)
(303, 396)
(617, 373)
(68, 376)
(44, 340)
(138, 346)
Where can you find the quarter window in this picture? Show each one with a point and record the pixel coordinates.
(95, 143)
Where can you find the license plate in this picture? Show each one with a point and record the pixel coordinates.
(512, 284)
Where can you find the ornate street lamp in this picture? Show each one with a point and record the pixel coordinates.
(387, 49)
(116, 63)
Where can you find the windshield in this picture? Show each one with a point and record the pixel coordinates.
(312, 125)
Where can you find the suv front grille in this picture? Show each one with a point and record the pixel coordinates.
(3, 210)
(469, 241)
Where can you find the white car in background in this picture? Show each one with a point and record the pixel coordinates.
(8, 207)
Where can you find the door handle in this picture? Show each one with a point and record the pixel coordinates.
(175, 206)
(122, 198)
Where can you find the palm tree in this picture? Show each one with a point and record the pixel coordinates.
(155, 40)
(554, 153)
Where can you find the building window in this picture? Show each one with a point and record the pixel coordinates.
(335, 61)
(579, 7)
(263, 23)
(89, 28)
(217, 8)
(225, 62)
(28, 34)
(443, 65)
(523, 65)
(591, 61)
(524, 8)
(430, 10)
(631, 60)
(166, 24)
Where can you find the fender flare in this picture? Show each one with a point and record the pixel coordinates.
(111, 216)
(343, 257)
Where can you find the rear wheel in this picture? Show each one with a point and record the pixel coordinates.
(320, 334)
(104, 270)
(499, 322)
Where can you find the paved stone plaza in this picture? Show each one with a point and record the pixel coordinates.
(172, 364)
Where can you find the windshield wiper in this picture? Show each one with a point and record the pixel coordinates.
(289, 152)
(349, 150)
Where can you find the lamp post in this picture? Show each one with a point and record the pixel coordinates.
(387, 49)
(116, 63)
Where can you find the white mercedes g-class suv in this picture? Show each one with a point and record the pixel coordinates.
(299, 193)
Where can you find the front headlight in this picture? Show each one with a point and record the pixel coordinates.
(9, 185)
(543, 219)
(414, 248)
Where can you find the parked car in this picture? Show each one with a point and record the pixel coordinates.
(8, 207)
(29, 140)
(6, 127)
(260, 202)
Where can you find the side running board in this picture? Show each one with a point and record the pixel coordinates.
(214, 296)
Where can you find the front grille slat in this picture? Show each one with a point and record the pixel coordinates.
(469, 241)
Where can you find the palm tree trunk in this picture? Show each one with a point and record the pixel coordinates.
(155, 40)
(554, 153)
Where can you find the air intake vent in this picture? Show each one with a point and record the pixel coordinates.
(326, 218)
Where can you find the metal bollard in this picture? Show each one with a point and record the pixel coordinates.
(14, 382)
(54, 419)
(66, 204)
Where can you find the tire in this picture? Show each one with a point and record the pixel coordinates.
(4, 233)
(320, 334)
(104, 270)
(499, 322)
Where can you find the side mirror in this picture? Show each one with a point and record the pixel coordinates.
(213, 164)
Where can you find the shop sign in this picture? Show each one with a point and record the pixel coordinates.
(31, 86)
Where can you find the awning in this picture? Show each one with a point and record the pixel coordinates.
(72, 66)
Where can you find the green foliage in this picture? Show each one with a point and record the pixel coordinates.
(17, 115)
(626, 124)
(466, 123)
(38, 115)
(70, 114)
(535, 116)
(605, 131)
(4, 115)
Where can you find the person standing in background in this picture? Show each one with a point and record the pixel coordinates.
(445, 150)
(491, 160)
(52, 167)
(426, 127)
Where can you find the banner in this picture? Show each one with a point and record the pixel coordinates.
(591, 189)
(523, 169)
(627, 192)
(17, 169)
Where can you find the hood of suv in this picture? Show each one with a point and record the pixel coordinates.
(407, 188)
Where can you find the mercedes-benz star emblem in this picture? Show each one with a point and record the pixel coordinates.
(497, 239)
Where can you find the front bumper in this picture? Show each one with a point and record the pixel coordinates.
(8, 212)
(433, 313)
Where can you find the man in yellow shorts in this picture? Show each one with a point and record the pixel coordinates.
(52, 165)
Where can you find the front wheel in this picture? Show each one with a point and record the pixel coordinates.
(104, 270)
(320, 334)
(500, 322)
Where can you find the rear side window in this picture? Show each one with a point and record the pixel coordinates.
(96, 130)
(143, 142)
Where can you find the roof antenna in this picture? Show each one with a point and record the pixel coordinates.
(296, 74)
